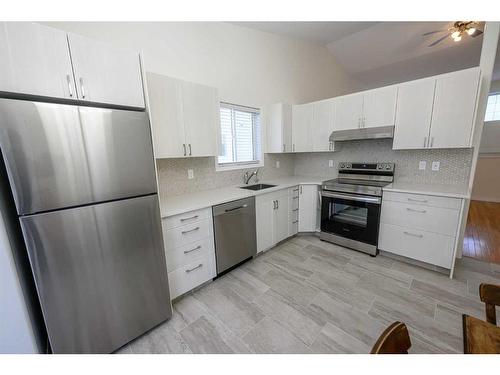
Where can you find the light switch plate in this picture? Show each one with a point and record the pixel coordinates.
(422, 165)
(435, 165)
(277, 163)
(190, 174)
(330, 163)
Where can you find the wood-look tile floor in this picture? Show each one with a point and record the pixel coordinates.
(308, 296)
(482, 233)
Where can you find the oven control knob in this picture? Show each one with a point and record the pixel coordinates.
(342, 165)
(348, 165)
(387, 167)
(380, 166)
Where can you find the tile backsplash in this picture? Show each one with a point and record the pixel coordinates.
(454, 166)
(173, 175)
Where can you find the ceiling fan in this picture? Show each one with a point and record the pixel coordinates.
(456, 32)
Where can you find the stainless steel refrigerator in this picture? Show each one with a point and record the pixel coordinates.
(84, 187)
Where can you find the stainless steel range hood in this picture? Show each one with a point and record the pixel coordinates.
(365, 133)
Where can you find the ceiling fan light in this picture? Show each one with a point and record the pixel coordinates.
(455, 34)
(471, 31)
(457, 39)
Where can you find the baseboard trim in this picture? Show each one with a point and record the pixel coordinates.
(486, 199)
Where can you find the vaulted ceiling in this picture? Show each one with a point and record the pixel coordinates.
(378, 53)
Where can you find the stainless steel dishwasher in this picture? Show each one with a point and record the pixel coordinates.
(235, 233)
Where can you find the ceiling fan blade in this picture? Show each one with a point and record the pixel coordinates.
(476, 33)
(434, 32)
(438, 41)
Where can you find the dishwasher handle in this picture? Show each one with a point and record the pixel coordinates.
(236, 208)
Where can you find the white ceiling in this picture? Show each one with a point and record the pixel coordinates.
(316, 32)
(378, 53)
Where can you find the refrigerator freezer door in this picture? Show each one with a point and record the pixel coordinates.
(100, 273)
(61, 156)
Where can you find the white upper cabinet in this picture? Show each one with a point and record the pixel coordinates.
(279, 128)
(322, 125)
(414, 114)
(200, 107)
(35, 60)
(348, 112)
(454, 108)
(106, 74)
(165, 107)
(437, 112)
(184, 117)
(379, 107)
(301, 127)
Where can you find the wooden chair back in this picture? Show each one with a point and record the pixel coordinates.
(490, 295)
(394, 340)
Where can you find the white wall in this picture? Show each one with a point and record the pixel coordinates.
(17, 335)
(249, 67)
(486, 186)
(487, 179)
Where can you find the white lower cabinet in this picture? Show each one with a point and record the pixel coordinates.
(272, 218)
(308, 203)
(293, 208)
(189, 250)
(420, 227)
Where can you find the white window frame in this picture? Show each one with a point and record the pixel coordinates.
(497, 94)
(241, 165)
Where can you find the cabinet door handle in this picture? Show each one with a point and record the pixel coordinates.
(68, 79)
(432, 141)
(184, 147)
(300, 189)
(413, 234)
(190, 218)
(189, 231)
(413, 210)
(82, 87)
(190, 151)
(296, 209)
(425, 142)
(295, 222)
(189, 251)
(296, 189)
(295, 197)
(417, 200)
(284, 147)
(195, 268)
(277, 204)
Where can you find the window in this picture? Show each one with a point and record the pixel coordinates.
(240, 142)
(493, 108)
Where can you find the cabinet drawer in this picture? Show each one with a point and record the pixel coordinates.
(190, 276)
(186, 254)
(424, 200)
(428, 218)
(186, 218)
(187, 234)
(424, 246)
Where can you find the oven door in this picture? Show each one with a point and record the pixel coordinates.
(351, 216)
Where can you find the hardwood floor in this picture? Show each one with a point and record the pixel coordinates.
(308, 296)
(482, 234)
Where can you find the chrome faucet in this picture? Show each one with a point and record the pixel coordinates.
(248, 176)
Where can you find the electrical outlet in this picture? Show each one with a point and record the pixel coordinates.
(277, 163)
(422, 165)
(435, 165)
(190, 174)
(330, 163)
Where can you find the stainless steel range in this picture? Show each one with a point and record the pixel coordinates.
(350, 205)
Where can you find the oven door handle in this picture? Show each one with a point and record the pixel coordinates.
(356, 198)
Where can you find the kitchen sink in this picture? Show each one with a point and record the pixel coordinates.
(258, 187)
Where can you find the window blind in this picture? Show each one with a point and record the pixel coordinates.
(240, 134)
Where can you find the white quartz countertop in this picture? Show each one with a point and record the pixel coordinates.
(452, 191)
(179, 204)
